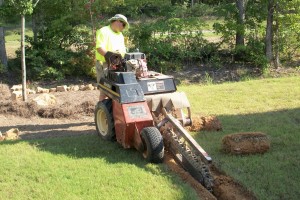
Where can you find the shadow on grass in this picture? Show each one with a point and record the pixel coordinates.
(80, 141)
(282, 126)
(277, 167)
(77, 141)
(46, 131)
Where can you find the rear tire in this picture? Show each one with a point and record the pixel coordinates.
(154, 146)
(104, 120)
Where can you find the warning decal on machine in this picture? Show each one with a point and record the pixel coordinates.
(137, 111)
(155, 86)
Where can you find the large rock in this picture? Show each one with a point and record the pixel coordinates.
(81, 87)
(16, 88)
(42, 90)
(45, 100)
(62, 88)
(74, 88)
(89, 87)
(29, 91)
(16, 95)
(52, 90)
(1, 137)
(12, 134)
(246, 143)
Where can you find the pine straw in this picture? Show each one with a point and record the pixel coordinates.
(30, 109)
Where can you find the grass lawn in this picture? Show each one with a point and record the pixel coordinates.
(13, 40)
(271, 106)
(86, 167)
(83, 168)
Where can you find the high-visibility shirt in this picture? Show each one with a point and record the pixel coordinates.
(110, 41)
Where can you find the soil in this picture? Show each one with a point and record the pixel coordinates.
(246, 143)
(205, 123)
(186, 177)
(225, 187)
(73, 116)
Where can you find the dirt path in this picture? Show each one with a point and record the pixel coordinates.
(40, 128)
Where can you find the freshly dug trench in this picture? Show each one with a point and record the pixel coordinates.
(246, 143)
(186, 177)
(227, 189)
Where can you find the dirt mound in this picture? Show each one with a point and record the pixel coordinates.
(208, 123)
(227, 189)
(88, 107)
(18, 108)
(4, 92)
(246, 143)
(30, 109)
(67, 110)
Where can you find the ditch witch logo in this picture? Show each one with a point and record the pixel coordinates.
(137, 111)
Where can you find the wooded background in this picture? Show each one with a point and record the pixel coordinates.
(172, 33)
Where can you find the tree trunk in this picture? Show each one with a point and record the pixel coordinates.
(277, 40)
(3, 56)
(240, 37)
(23, 58)
(269, 31)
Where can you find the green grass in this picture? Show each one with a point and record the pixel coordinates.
(271, 106)
(14, 34)
(83, 168)
(86, 167)
(13, 40)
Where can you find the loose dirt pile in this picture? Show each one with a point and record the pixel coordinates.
(18, 108)
(246, 143)
(208, 123)
(69, 105)
(67, 110)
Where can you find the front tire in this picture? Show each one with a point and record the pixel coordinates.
(154, 146)
(104, 120)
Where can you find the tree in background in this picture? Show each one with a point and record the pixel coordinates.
(287, 30)
(3, 55)
(269, 30)
(22, 8)
(240, 32)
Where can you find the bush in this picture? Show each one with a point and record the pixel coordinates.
(252, 53)
(172, 41)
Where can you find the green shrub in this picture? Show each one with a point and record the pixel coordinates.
(43, 63)
(170, 41)
(252, 53)
(50, 73)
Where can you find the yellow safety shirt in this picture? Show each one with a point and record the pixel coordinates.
(110, 41)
